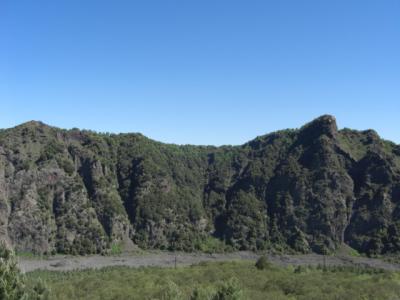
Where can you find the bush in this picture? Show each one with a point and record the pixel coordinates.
(68, 166)
(39, 291)
(12, 285)
(203, 293)
(263, 263)
(230, 290)
(116, 248)
(12, 282)
(300, 269)
(212, 245)
(172, 292)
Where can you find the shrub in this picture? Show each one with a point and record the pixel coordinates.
(263, 263)
(212, 245)
(230, 290)
(172, 292)
(203, 293)
(12, 285)
(116, 248)
(300, 269)
(12, 282)
(39, 291)
(68, 166)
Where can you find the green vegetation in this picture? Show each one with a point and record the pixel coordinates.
(116, 248)
(293, 191)
(13, 283)
(212, 245)
(347, 251)
(263, 263)
(233, 280)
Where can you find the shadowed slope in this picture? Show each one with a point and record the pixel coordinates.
(309, 189)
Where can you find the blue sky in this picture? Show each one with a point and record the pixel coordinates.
(200, 72)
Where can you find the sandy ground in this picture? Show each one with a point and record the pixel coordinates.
(169, 259)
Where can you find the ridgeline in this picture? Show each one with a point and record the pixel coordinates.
(305, 190)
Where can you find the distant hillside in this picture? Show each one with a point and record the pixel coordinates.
(305, 190)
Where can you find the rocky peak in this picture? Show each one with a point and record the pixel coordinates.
(33, 126)
(324, 125)
(34, 123)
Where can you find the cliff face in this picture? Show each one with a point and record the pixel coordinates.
(310, 189)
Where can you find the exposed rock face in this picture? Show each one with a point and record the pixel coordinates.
(310, 189)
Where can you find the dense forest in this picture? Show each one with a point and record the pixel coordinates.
(303, 190)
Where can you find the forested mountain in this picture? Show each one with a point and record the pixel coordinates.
(303, 190)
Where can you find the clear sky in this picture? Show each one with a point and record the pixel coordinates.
(200, 72)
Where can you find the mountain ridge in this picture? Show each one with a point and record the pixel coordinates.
(304, 190)
(38, 123)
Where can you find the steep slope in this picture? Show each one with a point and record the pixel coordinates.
(309, 189)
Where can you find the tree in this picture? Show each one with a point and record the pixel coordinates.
(263, 263)
(12, 281)
(12, 285)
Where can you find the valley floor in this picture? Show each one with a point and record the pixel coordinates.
(239, 280)
(170, 259)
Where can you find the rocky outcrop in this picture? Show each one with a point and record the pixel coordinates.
(303, 190)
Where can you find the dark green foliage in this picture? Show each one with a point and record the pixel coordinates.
(212, 245)
(229, 290)
(263, 263)
(39, 291)
(13, 283)
(246, 220)
(68, 166)
(304, 190)
(51, 150)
